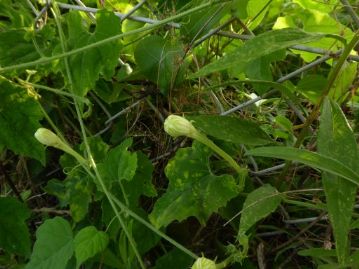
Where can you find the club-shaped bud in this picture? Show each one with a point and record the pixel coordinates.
(204, 263)
(48, 138)
(178, 126)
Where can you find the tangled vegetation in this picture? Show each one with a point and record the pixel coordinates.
(179, 134)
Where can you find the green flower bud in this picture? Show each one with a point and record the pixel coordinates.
(178, 126)
(48, 138)
(204, 263)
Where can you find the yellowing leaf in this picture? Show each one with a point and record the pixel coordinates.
(193, 190)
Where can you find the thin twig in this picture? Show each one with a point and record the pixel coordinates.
(296, 47)
(120, 15)
(133, 10)
(123, 111)
(267, 170)
(290, 75)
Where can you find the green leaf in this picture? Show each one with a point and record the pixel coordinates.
(231, 129)
(317, 252)
(201, 22)
(159, 60)
(336, 140)
(257, 47)
(174, 259)
(87, 66)
(312, 159)
(14, 234)
(193, 190)
(54, 245)
(258, 205)
(19, 119)
(15, 14)
(79, 190)
(119, 163)
(14, 48)
(311, 86)
(88, 242)
(315, 20)
(76, 191)
(343, 82)
(141, 184)
(260, 69)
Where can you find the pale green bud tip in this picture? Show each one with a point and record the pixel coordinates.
(204, 263)
(178, 126)
(47, 137)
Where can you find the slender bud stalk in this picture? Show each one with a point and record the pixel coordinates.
(178, 126)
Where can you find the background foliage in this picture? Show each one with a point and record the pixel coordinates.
(273, 83)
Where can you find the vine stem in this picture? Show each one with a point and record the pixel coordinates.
(151, 27)
(55, 12)
(315, 112)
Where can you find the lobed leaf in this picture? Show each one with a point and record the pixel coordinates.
(19, 119)
(193, 190)
(87, 66)
(88, 242)
(54, 245)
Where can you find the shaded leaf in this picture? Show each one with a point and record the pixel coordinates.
(193, 190)
(14, 234)
(258, 205)
(317, 252)
(15, 14)
(260, 69)
(311, 86)
(231, 129)
(87, 66)
(19, 119)
(54, 245)
(141, 184)
(312, 159)
(174, 259)
(257, 47)
(336, 140)
(88, 242)
(201, 22)
(120, 163)
(79, 191)
(14, 48)
(160, 61)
